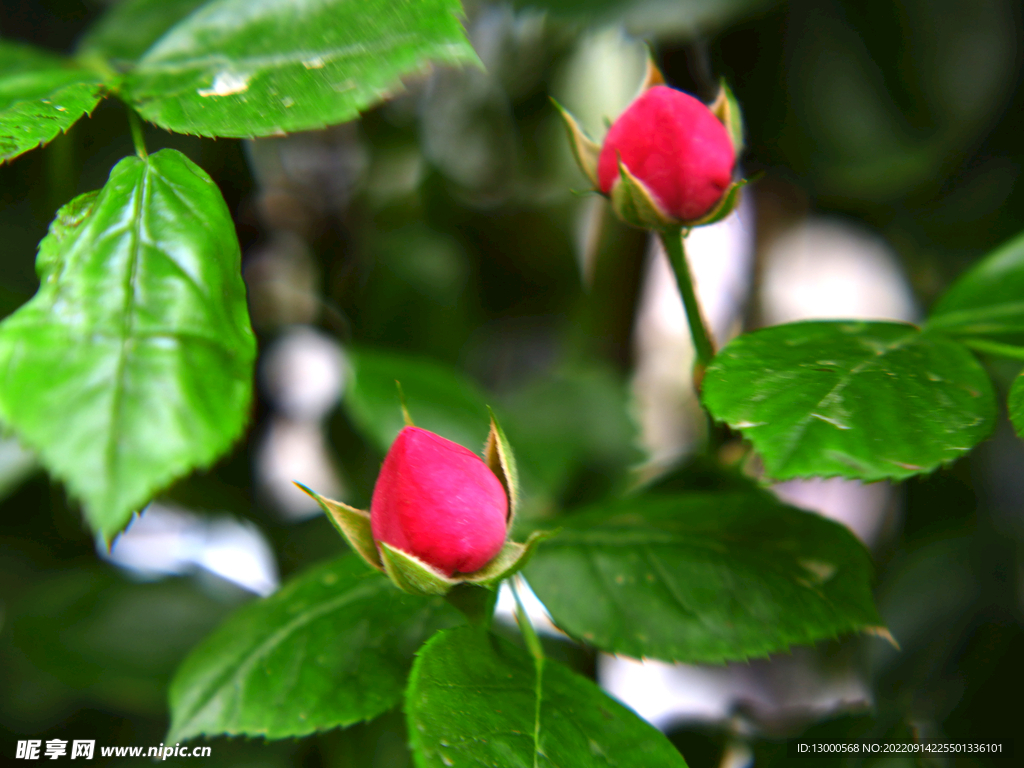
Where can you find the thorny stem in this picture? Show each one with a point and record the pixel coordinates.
(137, 138)
(672, 239)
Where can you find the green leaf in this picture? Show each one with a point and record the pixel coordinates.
(331, 648)
(1016, 404)
(860, 400)
(126, 30)
(439, 398)
(703, 577)
(477, 700)
(132, 365)
(248, 68)
(40, 96)
(988, 300)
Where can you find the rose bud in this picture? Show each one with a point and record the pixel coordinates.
(676, 148)
(439, 502)
(439, 516)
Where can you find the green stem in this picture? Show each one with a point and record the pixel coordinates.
(476, 603)
(702, 343)
(525, 626)
(137, 138)
(1011, 351)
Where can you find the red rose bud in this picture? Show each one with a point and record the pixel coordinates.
(676, 148)
(440, 502)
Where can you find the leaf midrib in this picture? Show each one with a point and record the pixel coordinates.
(128, 314)
(235, 675)
(800, 427)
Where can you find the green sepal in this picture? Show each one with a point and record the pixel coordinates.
(512, 558)
(727, 109)
(584, 149)
(502, 462)
(726, 205)
(412, 575)
(652, 75)
(353, 524)
(635, 205)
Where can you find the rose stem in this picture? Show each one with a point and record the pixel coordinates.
(672, 239)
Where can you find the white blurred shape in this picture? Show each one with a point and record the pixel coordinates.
(167, 540)
(782, 690)
(720, 257)
(304, 373)
(16, 464)
(506, 608)
(601, 78)
(822, 268)
(296, 451)
(860, 507)
(829, 268)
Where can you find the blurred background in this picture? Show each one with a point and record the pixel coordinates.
(444, 225)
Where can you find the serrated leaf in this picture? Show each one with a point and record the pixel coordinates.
(132, 365)
(988, 300)
(703, 577)
(475, 699)
(333, 647)
(1016, 404)
(126, 30)
(860, 400)
(439, 398)
(40, 96)
(246, 68)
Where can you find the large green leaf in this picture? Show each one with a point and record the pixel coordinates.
(703, 577)
(40, 96)
(1016, 404)
(264, 67)
(439, 398)
(988, 300)
(132, 365)
(130, 27)
(331, 648)
(860, 400)
(477, 700)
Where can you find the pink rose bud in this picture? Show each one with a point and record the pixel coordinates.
(440, 502)
(676, 147)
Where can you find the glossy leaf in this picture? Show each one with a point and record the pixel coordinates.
(860, 400)
(265, 67)
(333, 647)
(439, 398)
(988, 300)
(475, 699)
(126, 30)
(1016, 404)
(703, 577)
(40, 96)
(139, 334)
